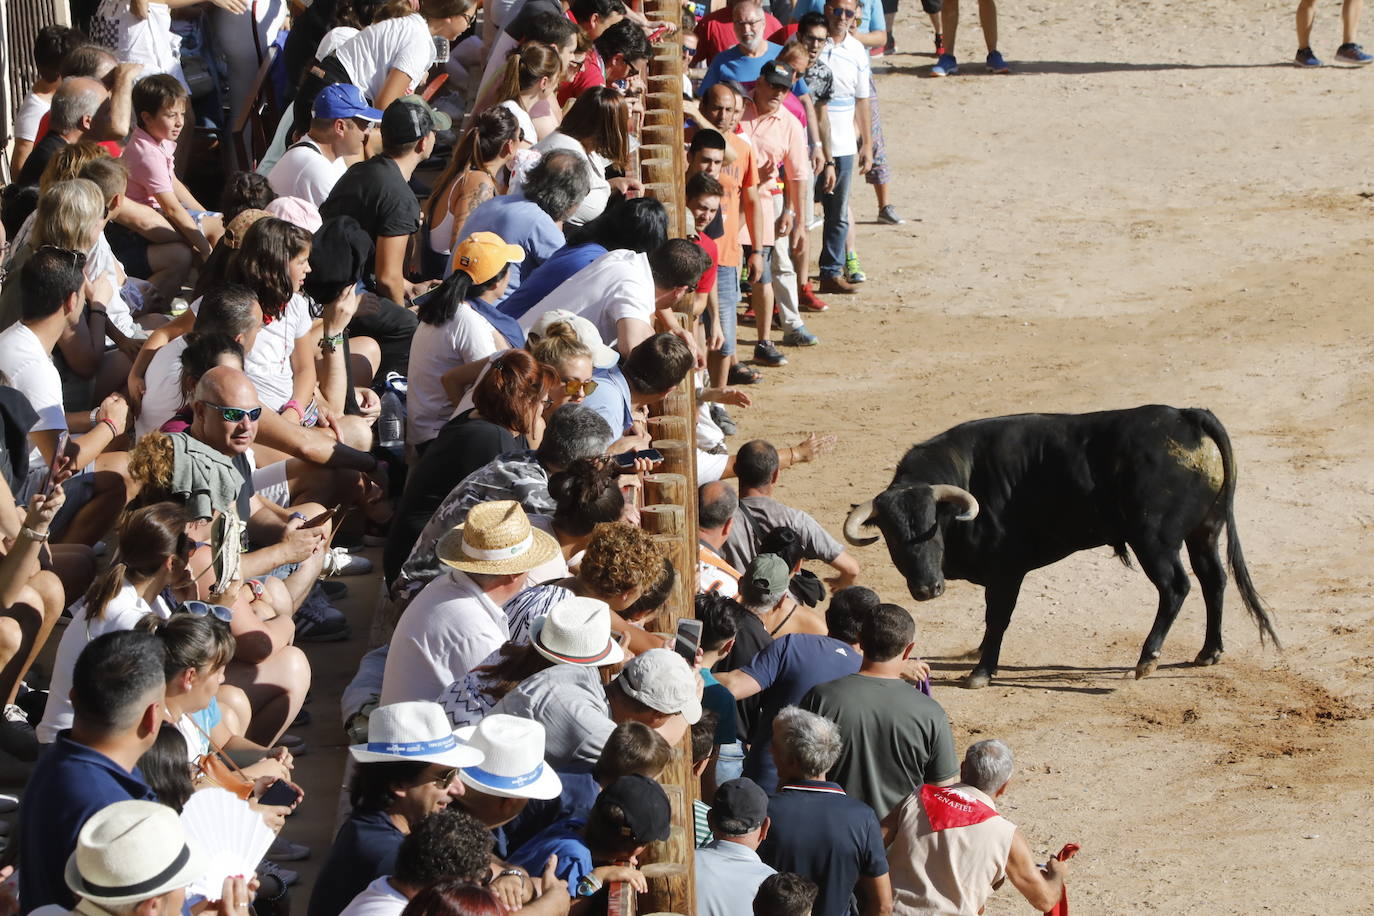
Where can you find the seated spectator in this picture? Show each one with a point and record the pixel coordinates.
(578, 713)
(950, 849)
(818, 831)
(729, 870)
(530, 76)
(406, 771)
(512, 773)
(339, 126)
(648, 374)
(532, 217)
(532, 25)
(459, 324)
(570, 346)
(893, 736)
(467, 182)
(445, 845)
(449, 896)
(201, 354)
(763, 590)
(457, 621)
(50, 45)
(52, 286)
(757, 465)
(75, 105)
(629, 814)
(785, 894)
(716, 505)
(117, 691)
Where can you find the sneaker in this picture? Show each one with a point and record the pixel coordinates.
(799, 337)
(283, 850)
(721, 417)
(268, 869)
(890, 47)
(996, 64)
(853, 271)
(743, 375)
(1352, 53)
(17, 735)
(767, 354)
(1305, 58)
(888, 214)
(945, 66)
(319, 621)
(815, 222)
(295, 744)
(9, 804)
(939, 45)
(339, 562)
(334, 591)
(302, 720)
(808, 301)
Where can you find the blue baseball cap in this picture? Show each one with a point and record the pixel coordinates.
(343, 100)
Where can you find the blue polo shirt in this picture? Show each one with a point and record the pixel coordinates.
(70, 783)
(537, 284)
(575, 801)
(518, 222)
(820, 832)
(563, 839)
(734, 64)
(611, 399)
(363, 851)
(786, 670)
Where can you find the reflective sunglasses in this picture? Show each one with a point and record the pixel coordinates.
(842, 13)
(204, 608)
(572, 387)
(236, 414)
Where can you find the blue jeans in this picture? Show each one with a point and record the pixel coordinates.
(727, 299)
(836, 206)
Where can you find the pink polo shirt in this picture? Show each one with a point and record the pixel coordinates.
(779, 140)
(151, 167)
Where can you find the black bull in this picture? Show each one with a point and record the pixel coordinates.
(990, 500)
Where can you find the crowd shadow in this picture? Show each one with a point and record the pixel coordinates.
(974, 67)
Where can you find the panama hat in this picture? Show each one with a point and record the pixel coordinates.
(131, 851)
(496, 539)
(577, 631)
(514, 766)
(418, 731)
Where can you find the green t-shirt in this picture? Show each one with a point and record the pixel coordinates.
(894, 738)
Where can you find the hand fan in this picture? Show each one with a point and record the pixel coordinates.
(230, 835)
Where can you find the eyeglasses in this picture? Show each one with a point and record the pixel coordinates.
(841, 12)
(362, 124)
(445, 779)
(633, 70)
(572, 387)
(814, 39)
(236, 414)
(204, 608)
(78, 257)
(751, 23)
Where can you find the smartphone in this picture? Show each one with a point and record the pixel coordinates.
(688, 640)
(320, 519)
(281, 794)
(627, 459)
(59, 452)
(657, 33)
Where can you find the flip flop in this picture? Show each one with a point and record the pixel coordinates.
(744, 375)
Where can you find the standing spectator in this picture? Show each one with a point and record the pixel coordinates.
(818, 831)
(715, 32)
(895, 737)
(947, 65)
(716, 506)
(847, 110)
(729, 870)
(742, 62)
(764, 591)
(785, 894)
(1349, 52)
(339, 127)
(950, 849)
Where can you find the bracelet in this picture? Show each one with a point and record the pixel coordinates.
(512, 872)
(292, 404)
(39, 536)
(330, 343)
(588, 885)
(114, 430)
(94, 415)
(101, 312)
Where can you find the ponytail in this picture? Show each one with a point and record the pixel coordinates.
(526, 66)
(456, 289)
(559, 344)
(202, 643)
(147, 537)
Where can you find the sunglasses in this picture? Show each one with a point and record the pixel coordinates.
(78, 257)
(205, 608)
(445, 779)
(814, 39)
(842, 13)
(236, 414)
(572, 387)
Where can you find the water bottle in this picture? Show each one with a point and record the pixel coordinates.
(391, 423)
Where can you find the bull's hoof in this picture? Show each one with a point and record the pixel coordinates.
(1146, 668)
(1207, 658)
(976, 680)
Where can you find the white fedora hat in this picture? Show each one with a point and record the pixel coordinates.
(419, 731)
(514, 766)
(131, 851)
(577, 631)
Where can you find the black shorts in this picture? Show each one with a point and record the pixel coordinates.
(130, 248)
(930, 6)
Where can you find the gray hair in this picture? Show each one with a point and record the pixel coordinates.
(988, 765)
(810, 741)
(715, 513)
(573, 431)
(77, 98)
(558, 183)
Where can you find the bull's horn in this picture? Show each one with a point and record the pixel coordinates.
(945, 493)
(857, 516)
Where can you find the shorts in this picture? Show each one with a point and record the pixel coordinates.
(77, 490)
(890, 6)
(727, 296)
(930, 6)
(130, 248)
(766, 252)
(270, 483)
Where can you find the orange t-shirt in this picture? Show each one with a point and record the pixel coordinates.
(734, 178)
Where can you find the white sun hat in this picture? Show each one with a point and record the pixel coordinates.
(418, 731)
(577, 631)
(131, 851)
(514, 766)
(603, 357)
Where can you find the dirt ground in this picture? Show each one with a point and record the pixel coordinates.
(1153, 208)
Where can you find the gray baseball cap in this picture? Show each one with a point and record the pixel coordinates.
(663, 681)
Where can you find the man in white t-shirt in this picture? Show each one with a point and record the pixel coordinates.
(338, 132)
(850, 122)
(51, 285)
(624, 293)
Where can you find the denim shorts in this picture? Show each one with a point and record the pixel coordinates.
(727, 296)
(766, 252)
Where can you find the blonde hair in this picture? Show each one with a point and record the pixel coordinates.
(68, 162)
(559, 344)
(67, 215)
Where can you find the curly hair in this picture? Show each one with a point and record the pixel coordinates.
(151, 464)
(446, 844)
(620, 557)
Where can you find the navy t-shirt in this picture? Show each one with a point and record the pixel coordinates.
(786, 670)
(364, 850)
(820, 832)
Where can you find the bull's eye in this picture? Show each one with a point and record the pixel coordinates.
(924, 536)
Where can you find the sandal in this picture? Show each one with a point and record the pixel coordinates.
(744, 375)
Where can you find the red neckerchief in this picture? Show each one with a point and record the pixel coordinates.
(947, 807)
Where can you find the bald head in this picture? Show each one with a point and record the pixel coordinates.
(75, 104)
(716, 505)
(228, 386)
(226, 411)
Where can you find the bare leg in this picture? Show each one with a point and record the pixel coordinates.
(108, 497)
(762, 296)
(112, 376)
(25, 628)
(935, 23)
(1307, 12)
(171, 265)
(367, 356)
(276, 689)
(1350, 20)
(987, 16)
(237, 711)
(949, 18)
(75, 566)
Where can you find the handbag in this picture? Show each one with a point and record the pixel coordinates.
(213, 768)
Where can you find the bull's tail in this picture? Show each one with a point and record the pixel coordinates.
(1210, 425)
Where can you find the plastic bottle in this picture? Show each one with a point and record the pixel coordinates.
(391, 423)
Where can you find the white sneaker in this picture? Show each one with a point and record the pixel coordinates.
(339, 562)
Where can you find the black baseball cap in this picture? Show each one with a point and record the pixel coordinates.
(740, 800)
(778, 73)
(338, 258)
(409, 118)
(647, 815)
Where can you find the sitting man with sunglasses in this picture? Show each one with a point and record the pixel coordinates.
(338, 132)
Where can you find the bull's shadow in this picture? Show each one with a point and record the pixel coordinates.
(949, 672)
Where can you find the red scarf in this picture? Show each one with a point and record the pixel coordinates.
(1062, 907)
(947, 807)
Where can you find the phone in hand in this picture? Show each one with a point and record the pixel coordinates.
(658, 33)
(688, 640)
(64, 442)
(627, 460)
(320, 519)
(281, 794)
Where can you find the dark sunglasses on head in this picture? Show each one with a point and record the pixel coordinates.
(204, 608)
(236, 414)
(572, 387)
(841, 12)
(78, 257)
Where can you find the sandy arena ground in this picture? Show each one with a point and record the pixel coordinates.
(1153, 208)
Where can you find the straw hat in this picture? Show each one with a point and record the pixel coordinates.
(131, 851)
(497, 539)
(238, 226)
(418, 731)
(514, 766)
(577, 631)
